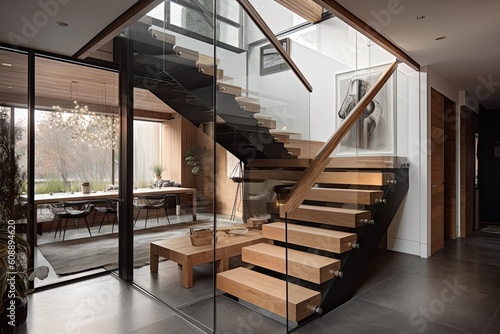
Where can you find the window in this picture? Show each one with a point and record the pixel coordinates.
(147, 152)
(194, 18)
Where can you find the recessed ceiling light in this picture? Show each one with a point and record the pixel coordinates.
(420, 17)
(7, 64)
(440, 38)
(62, 24)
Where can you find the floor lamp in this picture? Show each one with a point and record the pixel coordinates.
(237, 176)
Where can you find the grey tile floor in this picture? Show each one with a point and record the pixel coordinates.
(455, 291)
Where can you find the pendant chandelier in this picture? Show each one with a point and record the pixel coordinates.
(99, 129)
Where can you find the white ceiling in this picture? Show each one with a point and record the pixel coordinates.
(470, 51)
(29, 24)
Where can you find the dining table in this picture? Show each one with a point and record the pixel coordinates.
(95, 195)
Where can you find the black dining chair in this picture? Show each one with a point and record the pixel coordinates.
(72, 210)
(151, 202)
(108, 207)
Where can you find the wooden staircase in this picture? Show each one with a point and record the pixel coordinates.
(269, 292)
(319, 234)
(183, 78)
(335, 218)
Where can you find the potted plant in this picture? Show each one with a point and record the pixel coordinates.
(195, 157)
(14, 249)
(158, 169)
(11, 176)
(15, 278)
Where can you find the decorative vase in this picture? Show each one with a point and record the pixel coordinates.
(85, 188)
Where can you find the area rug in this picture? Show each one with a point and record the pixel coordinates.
(73, 256)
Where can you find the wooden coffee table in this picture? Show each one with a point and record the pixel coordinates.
(180, 250)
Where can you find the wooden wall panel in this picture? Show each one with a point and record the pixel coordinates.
(469, 126)
(437, 171)
(226, 188)
(180, 135)
(463, 193)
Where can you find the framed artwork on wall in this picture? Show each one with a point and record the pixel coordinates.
(271, 61)
(374, 132)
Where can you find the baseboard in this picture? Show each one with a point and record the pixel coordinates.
(403, 246)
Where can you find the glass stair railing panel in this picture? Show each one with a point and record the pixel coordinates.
(269, 134)
(177, 68)
(273, 104)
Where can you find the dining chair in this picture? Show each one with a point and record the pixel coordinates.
(151, 202)
(108, 207)
(67, 210)
(55, 208)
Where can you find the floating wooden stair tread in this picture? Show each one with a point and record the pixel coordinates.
(331, 216)
(346, 178)
(210, 70)
(367, 162)
(282, 138)
(269, 293)
(318, 238)
(267, 122)
(195, 56)
(341, 162)
(293, 150)
(295, 135)
(350, 196)
(229, 89)
(310, 267)
(159, 34)
(248, 103)
(359, 178)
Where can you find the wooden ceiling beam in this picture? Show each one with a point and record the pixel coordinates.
(132, 15)
(307, 9)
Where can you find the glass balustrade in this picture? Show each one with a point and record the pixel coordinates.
(250, 123)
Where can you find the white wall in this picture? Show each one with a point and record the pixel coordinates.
(277, 17)
(327, 49)
(320, 71)
(404, 232)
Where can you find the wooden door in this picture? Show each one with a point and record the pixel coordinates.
(437, 171)
(450, 169)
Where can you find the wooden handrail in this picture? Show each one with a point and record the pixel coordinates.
(320, 161)
(264, 28)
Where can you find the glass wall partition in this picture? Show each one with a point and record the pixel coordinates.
(76, 140)
(13, 168)
(175, 213)
(243, 128)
